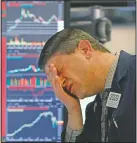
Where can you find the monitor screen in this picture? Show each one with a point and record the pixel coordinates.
(30, 110)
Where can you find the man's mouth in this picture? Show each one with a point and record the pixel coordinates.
(69, 88)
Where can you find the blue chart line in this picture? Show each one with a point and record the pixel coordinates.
(30, 67)
(13, 27)
(26, 14)
(54, 123)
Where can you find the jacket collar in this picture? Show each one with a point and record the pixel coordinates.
(121, 71)
(123, 65)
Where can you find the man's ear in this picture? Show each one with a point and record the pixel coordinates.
(85, 48)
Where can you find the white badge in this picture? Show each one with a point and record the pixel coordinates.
(113, 100)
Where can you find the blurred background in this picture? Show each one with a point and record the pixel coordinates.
(30, 110)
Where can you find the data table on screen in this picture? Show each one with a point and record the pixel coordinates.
(30, 109)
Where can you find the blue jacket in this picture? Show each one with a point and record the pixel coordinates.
(123, 119)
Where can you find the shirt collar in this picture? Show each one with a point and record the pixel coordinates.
(111, 73)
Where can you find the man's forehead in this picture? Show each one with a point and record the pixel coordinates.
(57, 63)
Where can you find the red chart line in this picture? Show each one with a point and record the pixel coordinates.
(29, 108)
(3, 86)
(32, 90)
(25, 56)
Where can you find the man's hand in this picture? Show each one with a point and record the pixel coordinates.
(72, 104)
(75, 120)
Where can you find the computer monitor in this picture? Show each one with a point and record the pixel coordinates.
(30, 110)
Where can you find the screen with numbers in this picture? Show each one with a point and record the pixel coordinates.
(30, 110)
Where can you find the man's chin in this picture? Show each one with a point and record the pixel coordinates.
(81, 96)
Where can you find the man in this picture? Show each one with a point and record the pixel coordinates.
(78, 67)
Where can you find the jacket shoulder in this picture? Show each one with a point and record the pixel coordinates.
(91, 107)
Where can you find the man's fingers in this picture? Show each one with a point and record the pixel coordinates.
(59, 90)
(51, 76)
(55, 81)
(50, 73)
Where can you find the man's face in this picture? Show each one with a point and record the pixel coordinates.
(71, 70)
(75, 73)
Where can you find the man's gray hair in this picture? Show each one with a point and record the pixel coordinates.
(65, 42)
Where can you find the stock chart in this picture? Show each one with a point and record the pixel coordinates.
(30, 109)
(36, 124)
